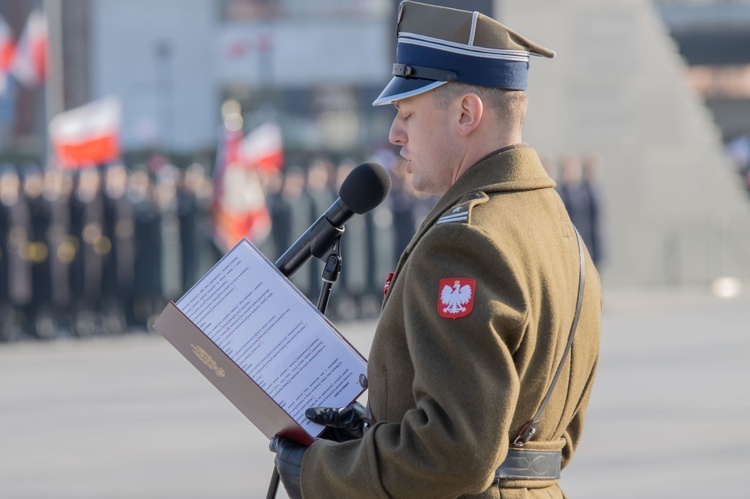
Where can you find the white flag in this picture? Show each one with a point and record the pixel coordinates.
(30, 58)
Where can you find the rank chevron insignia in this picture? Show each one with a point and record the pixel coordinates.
(457, 214)
(461, 212)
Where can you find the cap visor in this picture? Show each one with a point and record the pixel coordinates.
(401, 88)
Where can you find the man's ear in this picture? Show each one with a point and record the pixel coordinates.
(471, 112)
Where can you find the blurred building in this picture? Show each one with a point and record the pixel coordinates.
(713, 36)
(314, 66)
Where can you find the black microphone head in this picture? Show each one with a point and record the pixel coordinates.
(365, 187)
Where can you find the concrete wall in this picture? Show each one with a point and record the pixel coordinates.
(169, 97)
(674, 212)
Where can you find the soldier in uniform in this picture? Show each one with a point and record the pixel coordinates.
(477, 319)
(171, 248)
(58, 186)
(576, 198)
(15, 271)
(40, 312)
(300, 214)
(87, 223)
(191, 213)
(4, 229)
(20, 251)
(119, 238)
(147, 298)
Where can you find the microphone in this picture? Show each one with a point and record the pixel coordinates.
(362, 190)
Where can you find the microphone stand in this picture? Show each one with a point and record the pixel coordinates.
(330, 275)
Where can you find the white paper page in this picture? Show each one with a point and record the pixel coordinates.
(274, 334)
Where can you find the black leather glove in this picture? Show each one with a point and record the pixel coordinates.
(289, 464)
(344, 424)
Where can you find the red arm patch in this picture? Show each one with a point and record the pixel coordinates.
(456, 297)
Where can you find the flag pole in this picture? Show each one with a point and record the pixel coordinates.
(54, 90)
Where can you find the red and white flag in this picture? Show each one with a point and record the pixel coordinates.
(262, 148)
(7, 48)
(87, 135)
(30, 58)
(239, 208)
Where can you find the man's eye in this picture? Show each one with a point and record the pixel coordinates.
(406, 117)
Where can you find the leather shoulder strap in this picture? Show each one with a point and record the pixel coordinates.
(529, 429)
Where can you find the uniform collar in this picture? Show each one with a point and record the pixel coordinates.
(514, 168)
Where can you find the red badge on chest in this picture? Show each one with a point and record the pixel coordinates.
(387, 284)
(456, 297)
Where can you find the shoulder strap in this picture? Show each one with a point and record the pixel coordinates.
(529, 429)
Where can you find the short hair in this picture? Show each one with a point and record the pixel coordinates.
(509, 105)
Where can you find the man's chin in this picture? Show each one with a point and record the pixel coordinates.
(422, 187)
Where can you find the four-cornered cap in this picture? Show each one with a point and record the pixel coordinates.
(438, 44)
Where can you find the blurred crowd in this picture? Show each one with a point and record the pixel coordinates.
(90, 251)
(101, 250)
(578, 179)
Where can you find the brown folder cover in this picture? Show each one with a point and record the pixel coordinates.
(225, 375)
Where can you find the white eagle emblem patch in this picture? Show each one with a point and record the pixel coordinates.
(456, 297)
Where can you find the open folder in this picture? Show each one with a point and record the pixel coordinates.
(252, 334)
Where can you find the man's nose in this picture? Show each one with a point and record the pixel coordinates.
(396, 136)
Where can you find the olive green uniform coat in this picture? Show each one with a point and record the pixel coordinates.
(449, 395)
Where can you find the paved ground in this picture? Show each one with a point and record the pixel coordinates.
(129, 417)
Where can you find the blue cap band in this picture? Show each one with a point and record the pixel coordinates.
(471, 69)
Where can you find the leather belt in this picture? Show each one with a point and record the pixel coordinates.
(526, 464)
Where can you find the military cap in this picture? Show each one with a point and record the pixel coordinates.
(437, 45)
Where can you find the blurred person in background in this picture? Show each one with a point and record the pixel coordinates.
(119, 231)
(576, 197)
(549, 162)
(15, 223)
(5, 312)
(193, 207)
(280, 212)
(403, 202)
(41, 322)
(592, 172)
(380, 235)
(478, 314)
(58, 185)
(87, 227)
(321, 197)
(171, 249)
(199, 182)
(147, 293)
(738, 150)
(293, 193)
